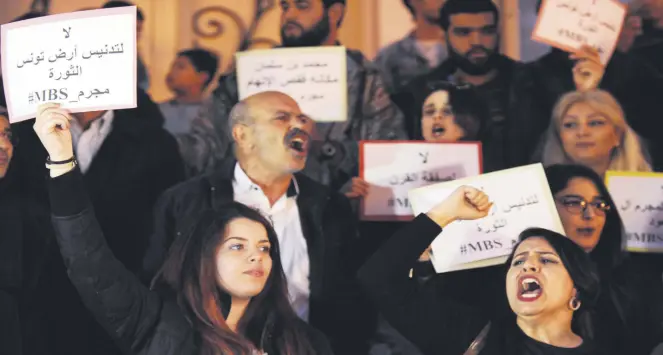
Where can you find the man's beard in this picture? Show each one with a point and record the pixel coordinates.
(308, 38)
(463, 63)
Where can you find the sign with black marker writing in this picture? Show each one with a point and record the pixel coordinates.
(569, 24)
(85, 60)
(393, 168)
(521, 199)
(315, 77)
(638, 198)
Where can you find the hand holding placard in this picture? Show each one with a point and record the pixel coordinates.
(52, 128)
(588, 70)
(521, 199)
(570, 24)
(85, 61)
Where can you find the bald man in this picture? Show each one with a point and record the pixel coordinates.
(315, 225)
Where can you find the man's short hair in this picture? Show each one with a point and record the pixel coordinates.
(203, 61)
(409, 6)
(538, 6)
(454, 7)
(117, 3)
(328, 3)
(239, 114)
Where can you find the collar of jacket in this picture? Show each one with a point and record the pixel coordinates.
(310, 192)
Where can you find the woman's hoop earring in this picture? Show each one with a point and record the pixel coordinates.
(574, 304)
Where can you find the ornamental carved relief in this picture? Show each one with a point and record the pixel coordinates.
(210, 26)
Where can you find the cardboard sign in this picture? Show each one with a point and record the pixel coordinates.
(85, 60)
(315, 77)
(638, 198)
(521, 199)
(393, 168)
(569, 24)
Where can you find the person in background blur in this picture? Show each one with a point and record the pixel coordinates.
(629, 318)
(649, 44)
(333, 158)
(418, 52)
(451, 113)
(11, 248)
(589, 128)
(472, 37)
(448, 113)
(556, 73)
(189, 76)
(143, 75)
(25, 237)
(631, 30)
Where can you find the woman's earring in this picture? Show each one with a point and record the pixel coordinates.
(574, 304)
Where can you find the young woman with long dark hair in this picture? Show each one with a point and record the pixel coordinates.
(222, 289)
(550, 285)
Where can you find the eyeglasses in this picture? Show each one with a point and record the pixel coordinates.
(577, 205)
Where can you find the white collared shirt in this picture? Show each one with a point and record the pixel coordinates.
(87, 142)
(284, 216)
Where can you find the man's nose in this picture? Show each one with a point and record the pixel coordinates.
(475, 38)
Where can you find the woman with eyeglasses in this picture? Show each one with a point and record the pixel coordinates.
(629, 315)
(549, 282)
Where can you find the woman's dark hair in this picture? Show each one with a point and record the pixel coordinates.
(190, 272)
(581, 269)
(470, 113)
(608, 253)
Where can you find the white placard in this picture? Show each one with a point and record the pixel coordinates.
(85, 60)
(394, 168)
(569, 24)
(316, 77)
(638, 198)
(522, 199)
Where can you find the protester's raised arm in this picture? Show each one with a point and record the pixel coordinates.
(127, 310)
(411, 307)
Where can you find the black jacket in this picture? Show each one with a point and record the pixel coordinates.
(25, 234)
(432, 320)
(140, 320)
(329, 227)
(137, 161)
